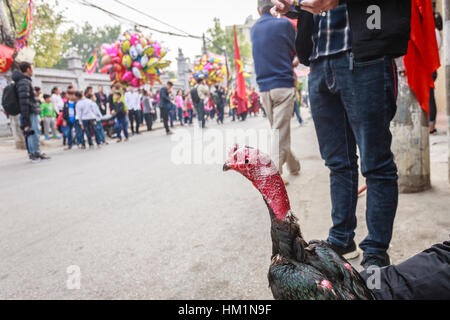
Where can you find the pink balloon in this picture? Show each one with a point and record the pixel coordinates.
(135, 82)
(128, 76)
(137, 64)
(134, 39)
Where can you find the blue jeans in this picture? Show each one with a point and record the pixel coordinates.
(89, 127)
(201, 114)
(297, 112)
(69, 132)
(122, 124)
(79, 134)
(34, 141)
(180, 115)
(353, 106)
(100, 132)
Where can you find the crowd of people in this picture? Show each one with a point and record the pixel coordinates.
(85, 118)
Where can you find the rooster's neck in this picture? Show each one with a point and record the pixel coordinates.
(274, 192)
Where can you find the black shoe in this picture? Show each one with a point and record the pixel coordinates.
(349, 253)
(380, 260)
(35, 159)
(43, 156)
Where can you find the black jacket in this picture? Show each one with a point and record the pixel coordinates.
(28, 101)
(391, 40)
(66, 111)
(164, 99)
(425, 276)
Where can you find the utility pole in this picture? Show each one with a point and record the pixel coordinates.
(9, 40)
(411, 139)
(446, 10)
(204, 49)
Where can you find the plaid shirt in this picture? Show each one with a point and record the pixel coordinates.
(332, 33)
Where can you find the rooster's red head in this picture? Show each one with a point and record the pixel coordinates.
(262, 172)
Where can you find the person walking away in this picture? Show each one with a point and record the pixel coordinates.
(69, 118)
(99, 132)
(233, 105)
(102, 100)
(165, 102)
(273, 52)
(353, 90)
(179, 102)
(56, 100)
(120, 112)
(85, 116)
(203, 94)
(190, 109)
(149, 110)
(254, 101)
(48, 115)
(172, 110)
(220, 96)
(132, 102)
(433, 106)
(30, 111)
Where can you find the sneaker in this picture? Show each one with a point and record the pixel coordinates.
(119, 140)
(35, 159)
(349, 253)
(43, 156)
(380, 261)
(170, 133)
(47, 138)
(68, 149)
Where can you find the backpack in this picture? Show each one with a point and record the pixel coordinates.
(195, 96)
(10, 100)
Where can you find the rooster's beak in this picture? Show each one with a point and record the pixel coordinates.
(226, 168)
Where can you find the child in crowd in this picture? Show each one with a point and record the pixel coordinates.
(48, 115)
(120, 112)
(98, 118)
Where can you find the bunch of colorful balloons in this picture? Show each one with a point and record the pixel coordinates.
(210, 68)
(134, 59)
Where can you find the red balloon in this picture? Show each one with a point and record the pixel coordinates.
(106, 69)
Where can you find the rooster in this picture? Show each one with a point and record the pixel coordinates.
(299, 270)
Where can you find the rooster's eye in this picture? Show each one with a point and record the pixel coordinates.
(247, 161)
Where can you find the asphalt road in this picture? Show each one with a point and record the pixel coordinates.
(139, 226)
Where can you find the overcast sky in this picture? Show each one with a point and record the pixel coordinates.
(194, 16)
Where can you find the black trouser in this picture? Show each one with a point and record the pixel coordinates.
(433, 108)
(165, 118)
(425, 276)
(148, 120)
(133, 115)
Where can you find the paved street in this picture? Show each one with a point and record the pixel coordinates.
(141, 227)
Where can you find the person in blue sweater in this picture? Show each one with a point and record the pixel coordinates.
(274, 52)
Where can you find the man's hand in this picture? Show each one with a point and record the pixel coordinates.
(318, 6)
(281, 7)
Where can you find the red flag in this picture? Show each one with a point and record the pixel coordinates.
(241, 90)
(422, 59)
(6, 58)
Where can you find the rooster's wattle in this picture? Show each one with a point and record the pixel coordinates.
(299, 270)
